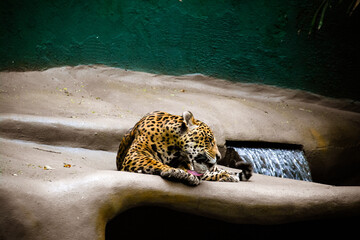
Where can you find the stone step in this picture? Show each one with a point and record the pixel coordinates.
(101, 134)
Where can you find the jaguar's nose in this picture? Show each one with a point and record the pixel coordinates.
(218, 156)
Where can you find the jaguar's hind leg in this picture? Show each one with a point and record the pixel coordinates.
(247, 170)
(145, 163)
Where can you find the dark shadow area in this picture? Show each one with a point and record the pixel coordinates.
(160, 223)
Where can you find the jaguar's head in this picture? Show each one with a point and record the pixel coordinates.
(198, 144)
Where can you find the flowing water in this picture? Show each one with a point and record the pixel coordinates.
(284, 163)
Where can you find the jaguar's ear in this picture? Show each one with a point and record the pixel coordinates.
(189, 121)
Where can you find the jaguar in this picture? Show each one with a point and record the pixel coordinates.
(178, 148)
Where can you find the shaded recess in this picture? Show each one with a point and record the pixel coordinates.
(262, 144)
(160, 223)
(269, 158)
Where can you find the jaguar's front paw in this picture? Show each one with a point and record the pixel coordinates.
(174, 174)
(228, 178)
(191, 180)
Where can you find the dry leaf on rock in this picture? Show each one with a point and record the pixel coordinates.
(47, 167)
(66, 165)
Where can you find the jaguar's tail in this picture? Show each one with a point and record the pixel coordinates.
(124, 146)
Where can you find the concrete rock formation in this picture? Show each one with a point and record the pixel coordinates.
(60, 129)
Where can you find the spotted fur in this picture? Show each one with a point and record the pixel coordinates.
(170, 145)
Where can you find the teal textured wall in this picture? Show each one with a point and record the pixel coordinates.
(241, 40)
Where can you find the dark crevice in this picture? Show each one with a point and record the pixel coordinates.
(262, 144)
(150, 222)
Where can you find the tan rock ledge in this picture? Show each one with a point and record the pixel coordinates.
(92, 106)
(60, 128)
(77, 202)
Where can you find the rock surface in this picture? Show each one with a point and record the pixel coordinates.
(60, 129)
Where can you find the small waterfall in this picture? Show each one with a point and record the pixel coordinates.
(284, 163)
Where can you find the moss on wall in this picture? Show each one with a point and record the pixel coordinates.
(250, 41)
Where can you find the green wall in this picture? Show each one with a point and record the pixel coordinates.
(241, 40)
